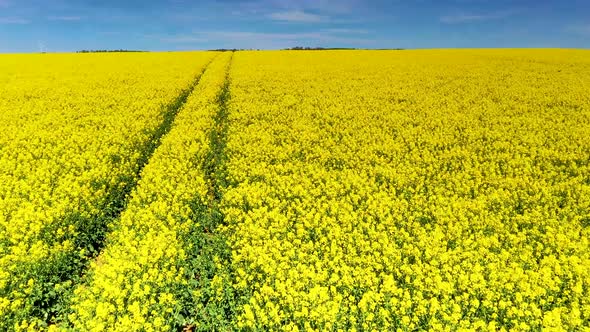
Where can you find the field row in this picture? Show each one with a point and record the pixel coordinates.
(76, 132)
(341, 190)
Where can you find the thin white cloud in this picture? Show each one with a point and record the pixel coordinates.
(467, 18)
(304, 37)
(236, 35)
(281, 11)
(321, 6)
(13, 20)
(262, 40)
(297, 16)
(65, 18)
(347, 31)
(183, 39)
(580, 29)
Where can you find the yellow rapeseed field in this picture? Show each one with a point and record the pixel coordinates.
(414, 190)
(444, 190)
(137, 281)
(73, 129)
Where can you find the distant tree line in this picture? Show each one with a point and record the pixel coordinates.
(301, 48)
(107, 51)
(233, 49)
(296, 48)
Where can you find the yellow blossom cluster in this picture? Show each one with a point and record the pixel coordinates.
(413, 190)
(73, 128)
(138, 281)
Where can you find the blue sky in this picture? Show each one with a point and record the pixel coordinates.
(68, 25)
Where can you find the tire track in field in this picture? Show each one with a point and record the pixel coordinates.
(91, 231)
(214, 164)
(210, 255)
